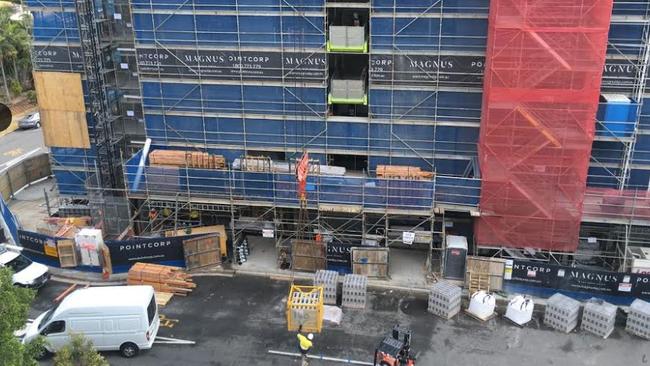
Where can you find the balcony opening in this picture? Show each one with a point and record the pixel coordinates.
(273, 155)
(348, 95)
(352, 163)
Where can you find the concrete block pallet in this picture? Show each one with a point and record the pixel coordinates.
(329, 280)
(562, 313)
(444, 299)
(355, 291)
(638, 319)
(599, 317)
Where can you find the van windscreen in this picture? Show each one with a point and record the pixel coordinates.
(48, 316)
(151, 309)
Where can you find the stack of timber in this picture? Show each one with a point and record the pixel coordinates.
(402, 172)
(162, 298)
(190, 159)
(162, 278)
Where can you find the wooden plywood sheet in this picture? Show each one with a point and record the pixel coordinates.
(63, 113)
(490, 268)
(370, 262)
(371, 270)
(370, 255)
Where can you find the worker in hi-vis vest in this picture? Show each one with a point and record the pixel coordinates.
(304, 344)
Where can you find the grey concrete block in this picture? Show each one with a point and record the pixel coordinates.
(638, 319)
(562, 313)
(444, 299)
(355, 291)
(329, 280)
(598, 317)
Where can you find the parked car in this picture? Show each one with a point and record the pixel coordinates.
(26, 272)
(32, 120)
(123, 318)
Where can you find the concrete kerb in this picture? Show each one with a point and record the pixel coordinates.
(95, 279)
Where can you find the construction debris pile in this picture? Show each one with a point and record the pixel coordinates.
(164, 279)
(63, 227)
(190, 159)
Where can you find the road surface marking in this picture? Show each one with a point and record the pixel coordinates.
(13, 153)
(321, 357)
(166, 340)
(167, 322)
(18, 159)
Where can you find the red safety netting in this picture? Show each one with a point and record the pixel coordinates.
(542, 80)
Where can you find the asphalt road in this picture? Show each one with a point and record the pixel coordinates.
(19, 143)
(236, 320)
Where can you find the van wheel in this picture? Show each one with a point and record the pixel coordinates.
(129, 350)
(41, 353)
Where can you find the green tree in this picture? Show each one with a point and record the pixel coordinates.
(14, 45)
(16, 88)
(14, 305)
(79, 352)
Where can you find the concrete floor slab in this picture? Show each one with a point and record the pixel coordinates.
(29, 204)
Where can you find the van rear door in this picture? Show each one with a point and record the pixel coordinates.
(153, 320)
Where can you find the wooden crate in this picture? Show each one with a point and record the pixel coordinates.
(308, 255)
(202, 252)
(370, 262)
(219, 229)
(67, 253)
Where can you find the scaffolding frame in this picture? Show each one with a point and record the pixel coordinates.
(399, 146)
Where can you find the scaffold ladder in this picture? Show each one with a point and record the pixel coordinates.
(96, 86)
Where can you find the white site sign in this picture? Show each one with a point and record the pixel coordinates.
(408, 237)
(267, 233)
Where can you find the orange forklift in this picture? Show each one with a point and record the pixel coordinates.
(395, 349)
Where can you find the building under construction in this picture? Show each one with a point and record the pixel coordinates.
(522, 125)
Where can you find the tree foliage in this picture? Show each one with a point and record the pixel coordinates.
(79, 352)
(14, 306)
(15, 59)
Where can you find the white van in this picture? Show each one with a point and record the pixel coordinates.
(123, 318)
(26, 272)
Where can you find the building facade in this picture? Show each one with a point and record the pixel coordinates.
(355, 84)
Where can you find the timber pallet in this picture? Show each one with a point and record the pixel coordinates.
(491, 316)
